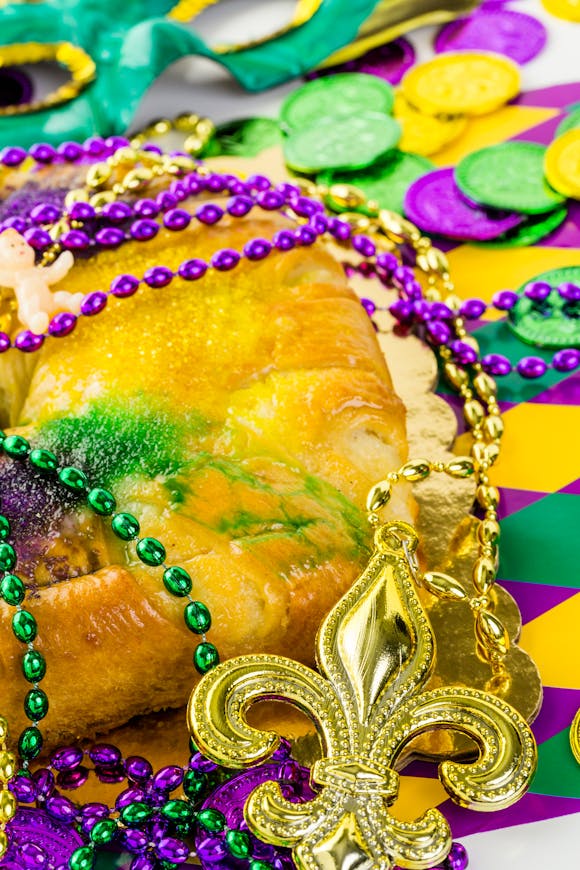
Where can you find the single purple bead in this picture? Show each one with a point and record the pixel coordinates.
(15, 223)
(257, 182)
(283, 751)
(154, 149)
(440, 311)
(289, 191)
(13, 156)
(42, 152)
(61, 808)
(472, 309)
(215, 183)
(37, 238)
(5, 343)
(212, 850)
(170, 849)
(387, 262)
(284, 240)
(318, 223)
(168, 778)
(270, 200)
(28, 342)
(202, 764)
(71, 779)
(568, 291)
(165, 200)
(176, 219)
(93, 303)
(412, 290)
(94, 146)
(402, 310)
(438, 332)
(457, 858)
(191, 270)
(305, 236)
(463, 353)
(116, 212)
(67, 757)
(236, 187)
(339, 229)
(566, 360)
(143, 230)
(369, 306)
(146, 208)
(44, 214)
(421, 310)
(105, 754)
(124, 285)
(24, 788)
(95, 809)
(129, 796)
(158, 276)
(195, 184)
(496, 364)
(32, 857)
(364, 246)
(75, 240)
(143, 862)
(109, 237)
(305, 207)
(209, 214)
(225, 260)
(239, 206)
(505, 300)
(179, 190)
(538, 291)
(158, 830)
(257, 249)
(134, 841)
(81, 211)
(531, 367)
(138, 768)
(110, 775)
(402, 275)
(117, 142)
(70, 151)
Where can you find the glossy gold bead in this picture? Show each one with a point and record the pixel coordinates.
(378, 496)
(487, 496)
(471, 342)
(180, 164)
(8, 805)
(443, 586)
(161, 126)
(185, 123)
(491, 632)
(483, 575)
(78, 195)
(416, 470)
(123, 157)
(396, 228)
(138, 178)
(205, 128)
(346, 195)
(488, 532)
(485, 385)
(432, 295)
(474, 413)
(193, 144)
(98, 175)
(453, 301)
(98, 200)
(3, 843)
(456, 376)
(3, 728)
(460, 467)
(7, 765)
(493, 427)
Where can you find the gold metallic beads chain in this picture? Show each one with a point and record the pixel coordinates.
(8, 803)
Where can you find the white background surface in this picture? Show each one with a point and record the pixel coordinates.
(202, 86)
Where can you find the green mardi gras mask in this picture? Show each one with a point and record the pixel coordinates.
(115, 50)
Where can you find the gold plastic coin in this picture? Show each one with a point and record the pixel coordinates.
(425, 134)
(575, 736)
(562, 164)
(569, 10)
(462, 83)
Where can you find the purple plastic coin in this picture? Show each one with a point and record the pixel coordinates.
(230, 798)
(513, 34)
(389, 62)
(57, 841)
(433, 203)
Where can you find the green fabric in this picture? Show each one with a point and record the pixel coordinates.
(557, 772)
(132, 43)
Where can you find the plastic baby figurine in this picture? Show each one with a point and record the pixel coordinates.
(36, 302)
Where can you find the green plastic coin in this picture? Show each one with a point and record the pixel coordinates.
(553, 323)
(570, 122)
(343, 95)
(509, 176)
(341, 143)
(386, 181)
(246, 137)
(531, 231)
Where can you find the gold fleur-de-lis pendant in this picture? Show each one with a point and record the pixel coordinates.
(375, 651)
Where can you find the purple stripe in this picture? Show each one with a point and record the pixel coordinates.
(533, 600)
(542, 134)
(531, 808)
(513, 500)
(572, 488)
(558, 709)
(567, 392)
(554, 97)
